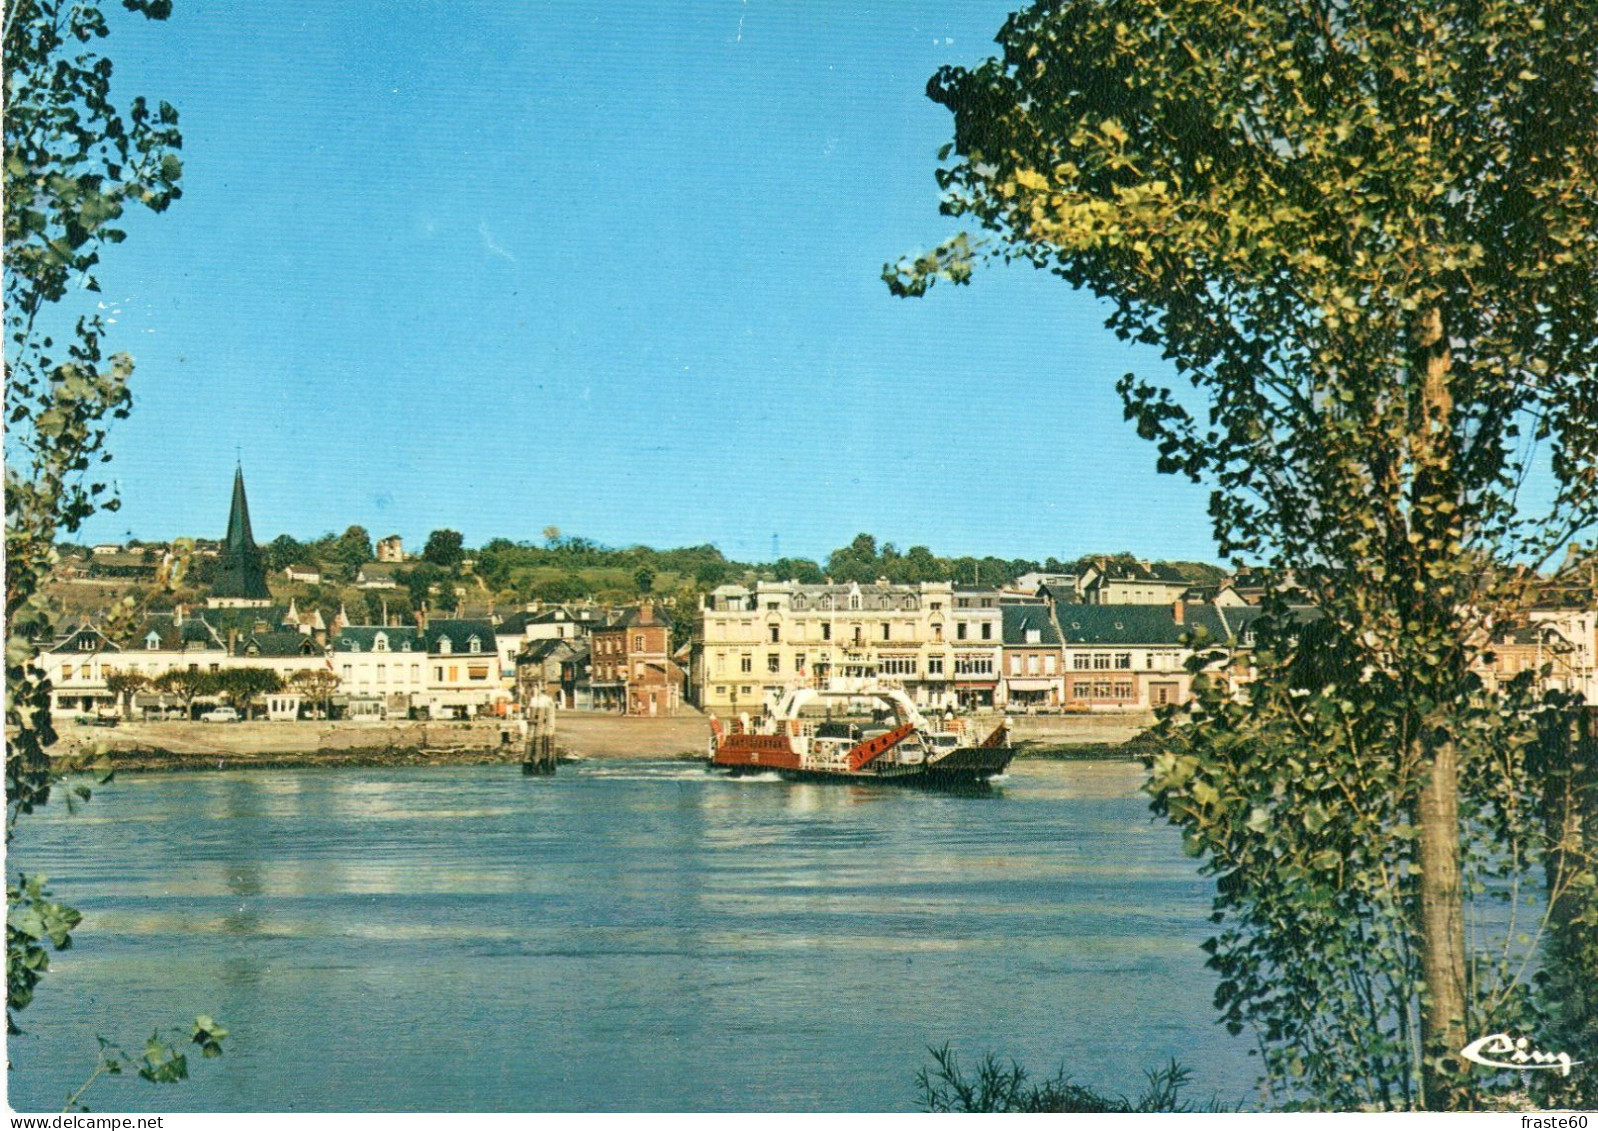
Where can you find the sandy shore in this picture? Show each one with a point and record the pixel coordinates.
(170, 746)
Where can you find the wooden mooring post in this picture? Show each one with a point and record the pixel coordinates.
(538, 749)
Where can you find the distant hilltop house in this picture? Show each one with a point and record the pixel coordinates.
(309, 574)
(1032, 582)
(1110, 582)
(376, 575)
(141, 564)
(391, 549)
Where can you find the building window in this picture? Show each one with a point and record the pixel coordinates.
(405, 645)
(346, 673)
(85, 643)
(959, 630)
(355, 646)
(1123, 689)
(1123, 660)
(66, 671)
(973, 665)
(899, 665)
(638, 642)
(854, 601)
(826, 632)
(987, 630)
(474, 645)
(454, 674)
(746, 663)
(885, 632)
(937, 633)
(776, 633)
(1048, 665)
(1032, 665)
(1101, 661)
(1015, 665)
(380, 643)
(444, 646)
(934, 665)
(1079, 662)
(382, 673)
(152, 641)
(774, 662)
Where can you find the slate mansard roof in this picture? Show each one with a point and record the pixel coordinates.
(1019, 620)
(364, 638)
(459, 634)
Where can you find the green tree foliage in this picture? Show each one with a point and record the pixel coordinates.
(644, 578)
(862, 562)
(1366, 233)
(284, 551)
(124, 685)
(73, 162)
(317, 685)
(558, 590)
(419, 581)
(443, 549)
(994, 1086)
(188, 684)
(243, 686)
(386, 606)
(802, 570)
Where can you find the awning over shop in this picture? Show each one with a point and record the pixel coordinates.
(1033, 684)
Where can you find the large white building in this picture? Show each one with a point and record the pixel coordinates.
(941, 642)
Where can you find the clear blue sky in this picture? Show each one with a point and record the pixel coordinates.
(612, 267)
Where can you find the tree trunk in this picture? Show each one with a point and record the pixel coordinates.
(1442, 915)
(1442, 910)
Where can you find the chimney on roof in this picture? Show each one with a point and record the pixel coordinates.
(1179, 611)
(646, 611)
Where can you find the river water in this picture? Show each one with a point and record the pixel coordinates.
(635, 936)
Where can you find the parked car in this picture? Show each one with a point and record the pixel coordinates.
(220, 715)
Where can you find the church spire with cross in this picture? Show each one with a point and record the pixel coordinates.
(240, 570)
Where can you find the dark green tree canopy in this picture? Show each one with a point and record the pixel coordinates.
(443, 549)
(1301, 204)
(1366, 234)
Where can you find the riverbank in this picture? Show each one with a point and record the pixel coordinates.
(276, 745)
(579, 734)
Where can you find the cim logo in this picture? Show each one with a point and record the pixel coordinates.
(1517, 1054)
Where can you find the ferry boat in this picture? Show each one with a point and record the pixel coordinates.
(910, 750)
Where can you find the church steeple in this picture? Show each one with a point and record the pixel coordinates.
(239, 536)
(240, 571)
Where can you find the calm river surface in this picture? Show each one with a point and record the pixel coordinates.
(623, 936)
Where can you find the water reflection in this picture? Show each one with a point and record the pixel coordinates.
(614, 937)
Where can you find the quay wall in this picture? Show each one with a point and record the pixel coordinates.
(193, 745)
(583, 734)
